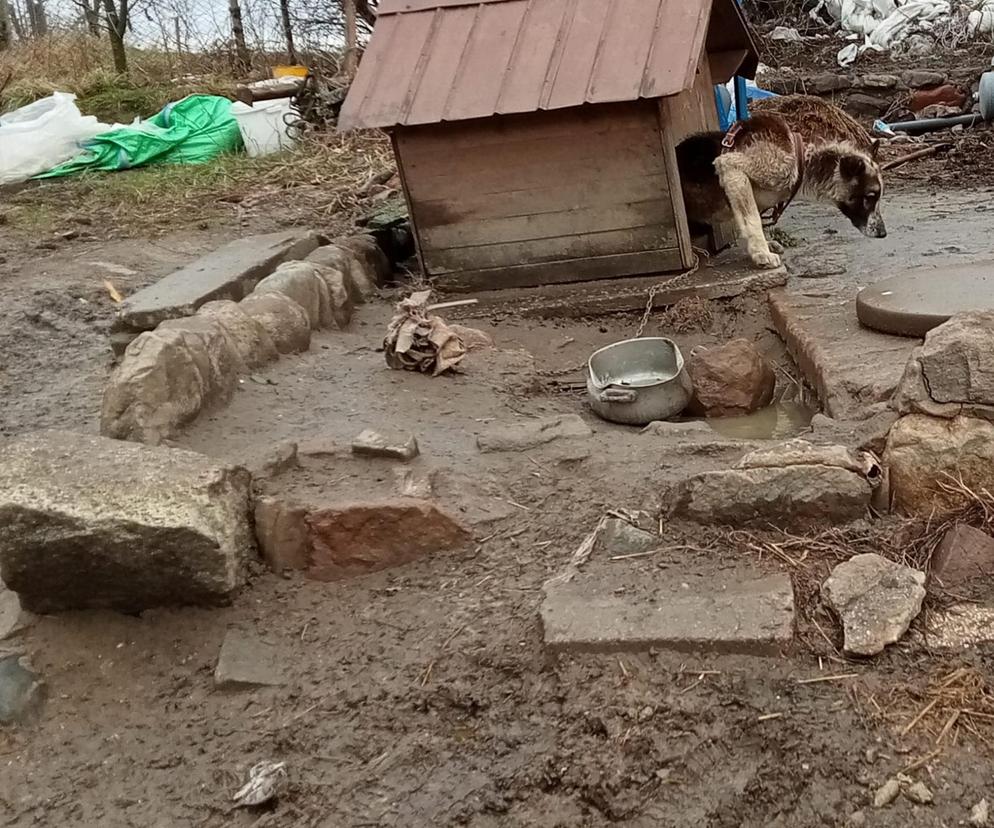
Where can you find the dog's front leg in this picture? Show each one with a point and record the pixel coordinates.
(738, 190)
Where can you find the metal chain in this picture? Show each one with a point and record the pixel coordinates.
(646, 315)
(670, 283)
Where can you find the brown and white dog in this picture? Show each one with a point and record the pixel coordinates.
(761, 164)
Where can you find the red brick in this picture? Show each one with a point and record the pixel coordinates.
(356, 538)
(965, 557)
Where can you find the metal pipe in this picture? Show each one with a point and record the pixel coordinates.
(933, 124)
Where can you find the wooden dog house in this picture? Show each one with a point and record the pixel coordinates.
(535, 139)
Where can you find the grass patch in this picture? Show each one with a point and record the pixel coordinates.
(321, 182)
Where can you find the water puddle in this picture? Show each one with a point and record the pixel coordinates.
(776, 422)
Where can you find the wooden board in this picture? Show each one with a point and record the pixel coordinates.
(563, 272)
(536, 197)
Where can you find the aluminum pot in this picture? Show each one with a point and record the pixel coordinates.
(637, 381)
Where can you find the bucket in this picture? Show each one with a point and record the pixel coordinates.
(289, 71)
(262, 126)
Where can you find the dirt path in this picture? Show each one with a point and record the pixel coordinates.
(422, 696)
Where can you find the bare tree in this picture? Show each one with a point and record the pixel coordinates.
(6, 31)
(291, 51)
(238, 33)
(117, 14)
(37, 18)
(351, 38)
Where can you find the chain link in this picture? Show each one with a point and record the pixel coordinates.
(650, 298)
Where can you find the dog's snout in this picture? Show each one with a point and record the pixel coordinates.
(875, 227)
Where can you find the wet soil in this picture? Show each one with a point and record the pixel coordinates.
(422, 696)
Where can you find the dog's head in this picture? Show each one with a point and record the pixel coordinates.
(858, 187)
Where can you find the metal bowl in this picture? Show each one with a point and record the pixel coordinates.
(637, 381)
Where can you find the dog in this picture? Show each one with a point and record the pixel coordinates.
(761, 164)
(819, 122)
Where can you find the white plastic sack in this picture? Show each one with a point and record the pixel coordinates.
(43, 135)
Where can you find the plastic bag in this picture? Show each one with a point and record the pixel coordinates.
(42, 135)
(191, 131)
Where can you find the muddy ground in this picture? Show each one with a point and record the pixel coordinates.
(422, 696)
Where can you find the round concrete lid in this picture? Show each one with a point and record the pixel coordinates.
(915, 302)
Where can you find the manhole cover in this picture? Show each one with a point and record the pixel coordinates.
(915, 302)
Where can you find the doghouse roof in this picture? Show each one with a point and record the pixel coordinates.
(430, 61)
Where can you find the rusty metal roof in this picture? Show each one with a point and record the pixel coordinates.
(450, 60)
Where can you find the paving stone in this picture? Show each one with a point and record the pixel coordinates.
(22, 692)
(876, 599)
(370, 443)
(526, 435)
(231, 272)
(740, 616)
(246, 661)
(850, 367)
(97, 523)
(790, 497)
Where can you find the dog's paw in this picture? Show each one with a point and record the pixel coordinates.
(775, 246)
(765, 259)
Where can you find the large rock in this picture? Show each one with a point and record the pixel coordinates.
(957, 359)
(786, 497)
(218, 358)
(248, 338)
(22, 692)
(358, 283)
(301, 282)
(925, 452)
(953, 371)
(375, 264)
(340, 294)
(91, 522)
(730, 379)
(356, 538)
(286, 322)
(160, 385)
(876, 600)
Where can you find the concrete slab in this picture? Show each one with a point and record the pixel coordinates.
(913, 303)
(850, 367)
(230, 272)
(727, 615)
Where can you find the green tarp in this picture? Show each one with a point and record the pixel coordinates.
(191, 131)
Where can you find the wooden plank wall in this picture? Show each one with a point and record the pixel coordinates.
(541, 198)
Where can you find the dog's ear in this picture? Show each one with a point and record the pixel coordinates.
(852, 166)
(874, 148)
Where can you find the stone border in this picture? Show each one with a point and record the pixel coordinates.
(191, 362)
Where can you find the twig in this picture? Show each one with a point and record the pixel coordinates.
(633, 555)
(766, 717)
(919, 717)
(456, 303)
(914, 156)
(819, 679)
(921, 761)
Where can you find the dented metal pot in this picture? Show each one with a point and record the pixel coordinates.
(638, 381)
